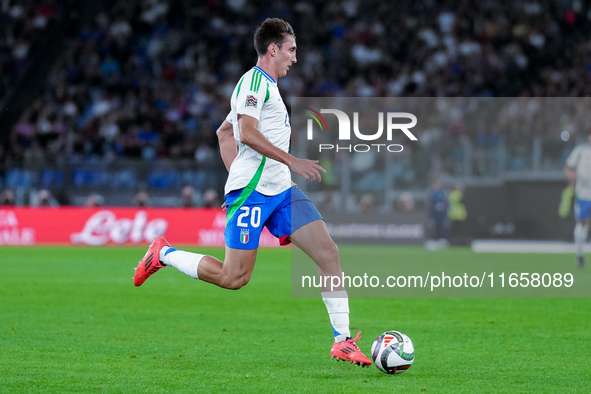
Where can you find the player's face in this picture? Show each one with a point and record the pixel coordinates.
(286, 56)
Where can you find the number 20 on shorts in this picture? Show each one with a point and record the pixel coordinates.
(255, 217)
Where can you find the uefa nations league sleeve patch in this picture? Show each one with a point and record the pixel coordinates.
(251, 101)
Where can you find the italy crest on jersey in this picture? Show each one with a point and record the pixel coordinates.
(244, 235)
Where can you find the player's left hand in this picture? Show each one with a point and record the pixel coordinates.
(309, 169)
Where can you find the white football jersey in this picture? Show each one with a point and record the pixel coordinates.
(257, 95)
(580, 161)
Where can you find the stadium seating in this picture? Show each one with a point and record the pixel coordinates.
(150, 80)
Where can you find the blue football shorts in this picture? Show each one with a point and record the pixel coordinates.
(248, 211)
(582, 210)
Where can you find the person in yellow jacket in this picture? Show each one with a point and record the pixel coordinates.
(457, 210)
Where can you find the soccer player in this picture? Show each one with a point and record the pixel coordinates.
(254, 142)
(439, 206)
(578, 170)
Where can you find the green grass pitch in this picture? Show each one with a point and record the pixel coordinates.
(72, 321)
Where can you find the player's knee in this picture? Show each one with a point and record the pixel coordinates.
(330, 252)
(236, 283)
(334, 251)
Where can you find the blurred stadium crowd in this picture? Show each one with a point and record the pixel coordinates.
(151, 79)
(23, 25)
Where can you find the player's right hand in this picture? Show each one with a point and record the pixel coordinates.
(309, 169)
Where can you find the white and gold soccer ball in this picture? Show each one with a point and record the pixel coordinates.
(393, 352)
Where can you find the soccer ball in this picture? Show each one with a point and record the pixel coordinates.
(393, 352)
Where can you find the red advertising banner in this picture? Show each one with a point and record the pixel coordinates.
(101, 226)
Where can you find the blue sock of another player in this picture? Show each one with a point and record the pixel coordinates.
(186, 262)
(337, 304)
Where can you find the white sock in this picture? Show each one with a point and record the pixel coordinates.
(581, 232)
(186, 262)
(337, 304)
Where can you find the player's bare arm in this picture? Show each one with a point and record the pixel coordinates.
(251, 136)
(228, 147)
(571, 174)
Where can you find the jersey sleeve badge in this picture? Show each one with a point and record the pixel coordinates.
(251, 101)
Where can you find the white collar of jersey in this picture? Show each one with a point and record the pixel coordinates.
(264, 73)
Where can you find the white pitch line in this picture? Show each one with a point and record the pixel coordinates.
(516, 246)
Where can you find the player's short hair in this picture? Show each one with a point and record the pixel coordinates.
(271, 31)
